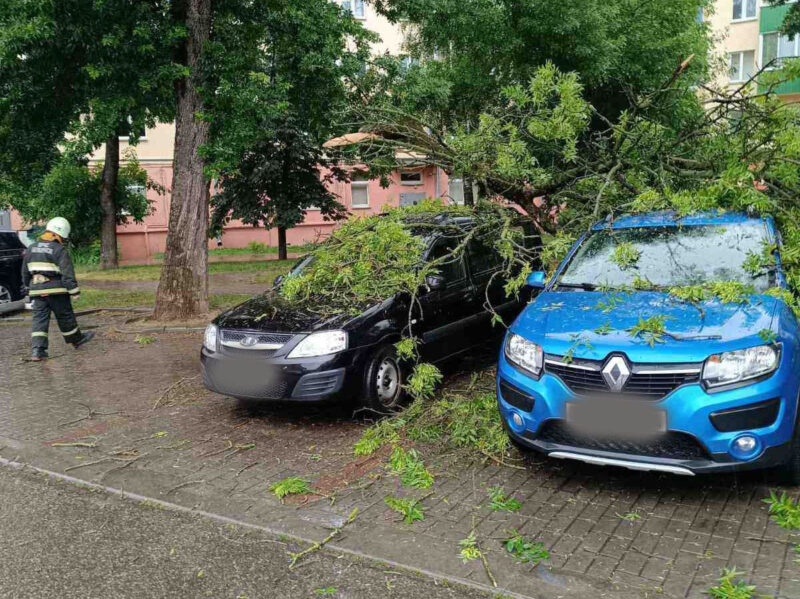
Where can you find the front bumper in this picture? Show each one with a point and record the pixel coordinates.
(278, 378)
(689, 423)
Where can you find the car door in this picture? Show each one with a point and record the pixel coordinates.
(446, 313)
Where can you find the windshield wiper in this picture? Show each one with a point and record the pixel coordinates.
(584, 286)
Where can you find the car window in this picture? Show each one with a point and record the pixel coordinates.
(451, 269)
(483, 256)
(671, 256)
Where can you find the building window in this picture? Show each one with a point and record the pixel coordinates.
(455, 189)
(775, 46)
(742, 66)
(354, 7)
(411, 178)
(744, 10)
(359, 190)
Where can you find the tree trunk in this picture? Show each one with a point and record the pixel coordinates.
(469, 196)
(108, 205)
(282, 255)
(183, 288)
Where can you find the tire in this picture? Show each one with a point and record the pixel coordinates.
(382, 389)
(789, 472)
(6, 292)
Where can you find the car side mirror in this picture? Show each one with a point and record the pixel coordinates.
(537, 280)
(435, 282)
(278, 280)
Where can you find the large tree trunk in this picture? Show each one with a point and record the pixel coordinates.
(469, 196)
(108, 205)
(183, 288)
(282, 255)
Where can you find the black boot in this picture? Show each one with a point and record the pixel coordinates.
(39, 354)
(84, 339)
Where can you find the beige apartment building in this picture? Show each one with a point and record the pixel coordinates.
(747, 38)
(746, 35)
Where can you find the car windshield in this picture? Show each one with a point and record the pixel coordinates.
(668, 256)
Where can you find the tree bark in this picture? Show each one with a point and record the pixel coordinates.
(108, 205)
(183, 287)
(282, 254)
(469, 196)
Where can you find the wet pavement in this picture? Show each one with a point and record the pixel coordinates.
(136, 418)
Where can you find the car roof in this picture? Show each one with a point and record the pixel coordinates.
(670, 218)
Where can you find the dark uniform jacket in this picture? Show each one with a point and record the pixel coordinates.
(48, 270)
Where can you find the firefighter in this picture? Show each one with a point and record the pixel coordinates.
(48, 273)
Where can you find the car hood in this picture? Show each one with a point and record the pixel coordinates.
(573, 321)
(270, 312)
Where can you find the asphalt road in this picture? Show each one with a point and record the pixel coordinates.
(61, 540)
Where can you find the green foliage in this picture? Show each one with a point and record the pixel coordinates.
(526, 552)
(784, 510)
(469, 550)
(410, 468)
(768, 335)
(626, 256)
(376, 436)
(423, 380)
(499, 501)
(291, 485)
(650, 330)
(407, 348)
(72, 190)
(144, 339)
(729, 588)
(408, 508)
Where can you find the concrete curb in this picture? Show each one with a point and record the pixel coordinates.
(15, 465)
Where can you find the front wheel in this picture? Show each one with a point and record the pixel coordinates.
(6, 295)
(789, 472)
(382, 390)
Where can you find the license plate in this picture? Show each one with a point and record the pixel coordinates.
(617, 418)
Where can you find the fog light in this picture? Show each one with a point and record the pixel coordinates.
(745, 446)
(516, 422)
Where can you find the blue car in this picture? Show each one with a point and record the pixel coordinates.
(583, 375)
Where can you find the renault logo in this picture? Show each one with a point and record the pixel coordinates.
(616, 373)
(249, 341)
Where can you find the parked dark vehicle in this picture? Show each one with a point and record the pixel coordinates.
(12, 251)
(267, 348)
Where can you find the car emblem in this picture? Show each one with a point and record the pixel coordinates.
(616, 373)
(248, 341)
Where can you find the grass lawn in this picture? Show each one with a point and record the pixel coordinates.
(251, 250)
(264, 270)
(118, 298)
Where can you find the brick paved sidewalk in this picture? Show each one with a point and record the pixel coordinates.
(192, 449)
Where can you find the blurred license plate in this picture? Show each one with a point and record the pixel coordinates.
(617, 418)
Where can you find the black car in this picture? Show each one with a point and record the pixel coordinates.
(12, 251)
(266, 349)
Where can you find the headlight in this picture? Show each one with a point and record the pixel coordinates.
(525, 354)
(320, 344)
(210, 338)
(741, 365)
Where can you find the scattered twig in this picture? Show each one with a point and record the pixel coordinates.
(488, 571)
(501, 462)
(172, 387)
(247, 467)
(319, 545)
(186, 484)
(89, 444)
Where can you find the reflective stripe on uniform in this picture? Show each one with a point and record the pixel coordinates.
(75, 291)
(72, 332)
(54, 290)
(43, 267)
(38, 334)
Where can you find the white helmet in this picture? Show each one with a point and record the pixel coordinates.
(59, 226)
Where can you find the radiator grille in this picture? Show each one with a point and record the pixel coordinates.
(586, 377)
